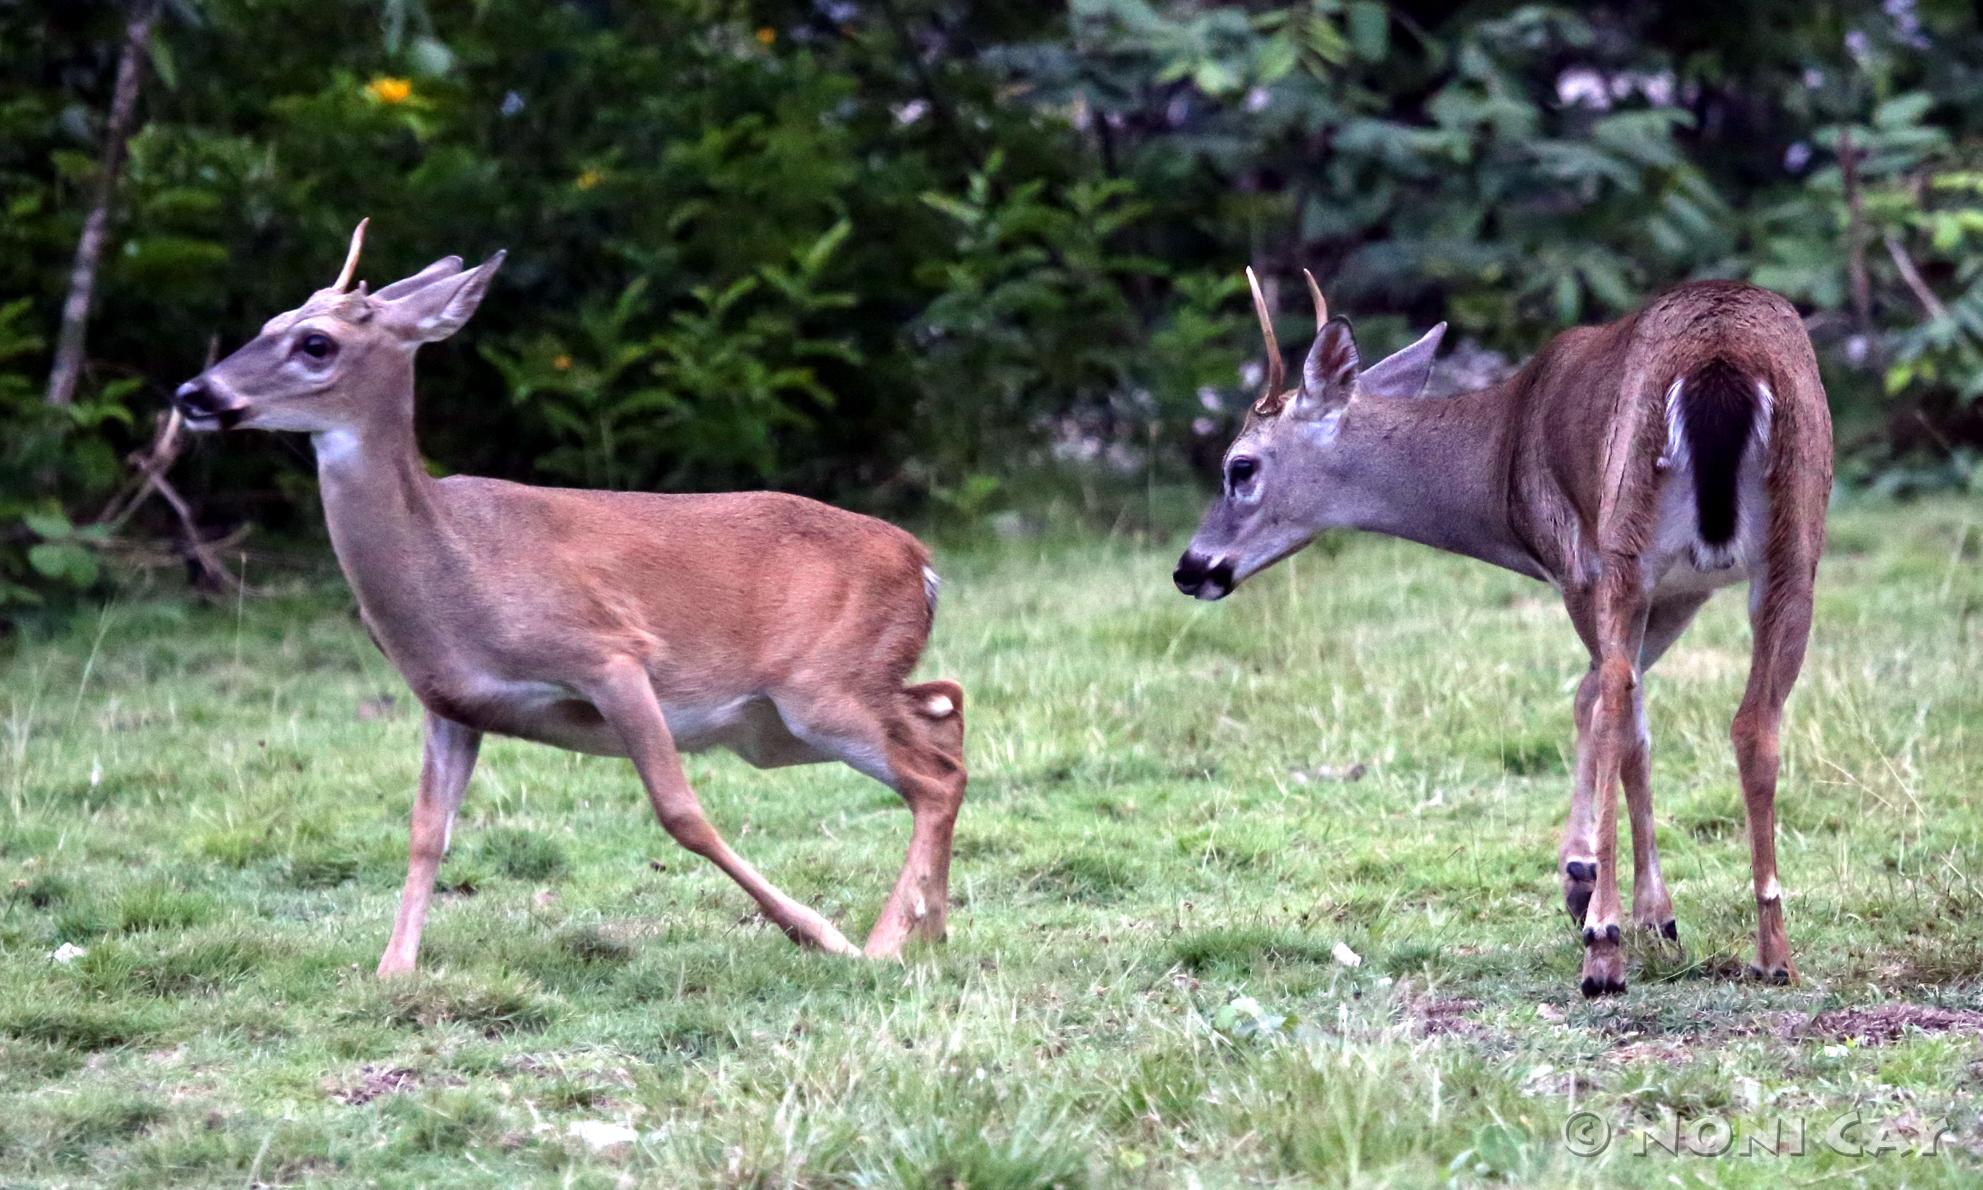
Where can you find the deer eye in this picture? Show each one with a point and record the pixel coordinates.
(1240, 470)
(316, 345)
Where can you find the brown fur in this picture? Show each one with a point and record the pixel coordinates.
(1557, 473)
(620, 623)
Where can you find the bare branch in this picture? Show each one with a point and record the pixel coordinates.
(96, 226)
(1912, 276)
(1857, 279)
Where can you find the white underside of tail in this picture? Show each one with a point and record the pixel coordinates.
(1680, 562)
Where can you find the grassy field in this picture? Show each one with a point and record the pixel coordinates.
(1258, 892)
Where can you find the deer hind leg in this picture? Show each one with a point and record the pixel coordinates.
(626, 699)
(447, 761)
(1780, 619)
(911, 740)
(926, 752)
(1616, 622)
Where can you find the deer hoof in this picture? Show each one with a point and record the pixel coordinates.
(1604, 967)
(1579, 882)
(1777, 975)
(1595, 986)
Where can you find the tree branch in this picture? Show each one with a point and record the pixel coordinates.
(1912, 276)
(1857, 278)
(96, 226)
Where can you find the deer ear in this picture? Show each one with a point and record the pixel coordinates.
(1330, 371)
(439, 308)
(1404, 373)
(446, 266)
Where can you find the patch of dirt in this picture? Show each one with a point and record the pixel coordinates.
(1436, 1017)
(1666, 1053)
(1640, 1037)
(1882, 1023)
(374, 1082)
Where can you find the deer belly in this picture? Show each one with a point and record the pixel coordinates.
(541, 712)
(749, 726)
(546, 713)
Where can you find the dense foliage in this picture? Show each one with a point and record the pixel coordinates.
(893, 251)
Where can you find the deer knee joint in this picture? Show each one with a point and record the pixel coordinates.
(1754, 737)
(690, 829)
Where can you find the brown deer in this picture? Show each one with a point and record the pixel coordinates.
(1637, 467)
(616, 623)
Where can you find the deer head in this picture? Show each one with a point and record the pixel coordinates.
(1292, 473)
(341, 359)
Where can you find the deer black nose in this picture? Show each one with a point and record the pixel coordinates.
(1203, 577)
(198, 401)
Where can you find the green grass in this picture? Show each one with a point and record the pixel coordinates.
(1162, 848)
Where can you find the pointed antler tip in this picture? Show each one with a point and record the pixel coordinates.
(1321, 306)
(1275, 368)
(343, 281)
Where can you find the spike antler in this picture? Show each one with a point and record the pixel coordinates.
(1270, 399)
(1321, 307)
(343, 281)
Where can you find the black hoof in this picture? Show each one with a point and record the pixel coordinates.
(1670, 931)
(1779, 976)
(1595, 987)
(1609, 934)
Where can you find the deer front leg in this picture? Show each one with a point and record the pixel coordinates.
(626, 699)
(1577, 859)
(447, 761)
(1613, 624)
(1652, 905)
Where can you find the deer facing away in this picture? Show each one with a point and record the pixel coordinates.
(1637, 467)
(616, 623)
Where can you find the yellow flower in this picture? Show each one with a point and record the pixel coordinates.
(588, 179)
(562, 363)
(390, 90)
(767, 35)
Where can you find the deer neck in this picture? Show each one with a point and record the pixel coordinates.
(386, 521)
(1434, 471)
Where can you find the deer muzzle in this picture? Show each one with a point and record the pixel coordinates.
(1202, 577)
(206, 407)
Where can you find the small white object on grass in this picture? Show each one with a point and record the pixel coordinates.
(1346, 956)
(601, 1134)
(68, 953)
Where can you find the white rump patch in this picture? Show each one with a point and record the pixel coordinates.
(1675, 454)
(1674, 457)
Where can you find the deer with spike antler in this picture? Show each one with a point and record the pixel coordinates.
(1638, 467)
(617, 623)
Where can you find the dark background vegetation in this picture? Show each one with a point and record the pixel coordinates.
(903, 253)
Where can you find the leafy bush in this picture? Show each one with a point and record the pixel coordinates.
(891, 253)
